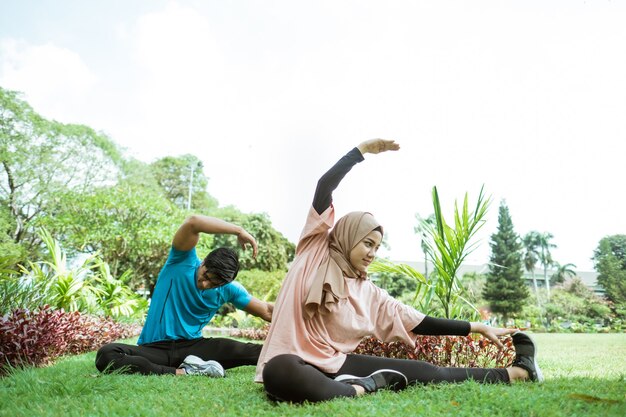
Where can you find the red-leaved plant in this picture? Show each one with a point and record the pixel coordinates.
(37, 337)
(457, 351)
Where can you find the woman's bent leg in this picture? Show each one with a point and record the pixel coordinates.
(290, 378)
(420, 371)
(146, 360)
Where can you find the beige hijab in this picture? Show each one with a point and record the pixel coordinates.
(328, 285)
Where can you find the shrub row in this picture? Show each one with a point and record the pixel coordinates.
(457, 351)
(38, 337)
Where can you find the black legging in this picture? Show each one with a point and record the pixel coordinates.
(164, 357)
(290, 378)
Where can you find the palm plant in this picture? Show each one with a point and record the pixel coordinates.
(70, 288)
(425, 291)
(562, 272)
(545, 257)
(447, 247)
(531, 254)
(114, 298)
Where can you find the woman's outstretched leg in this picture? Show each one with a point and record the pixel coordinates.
(420, 371)
(289, 378)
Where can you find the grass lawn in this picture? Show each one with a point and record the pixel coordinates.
(585, 376)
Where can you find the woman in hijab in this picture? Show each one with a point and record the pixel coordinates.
(326, 305)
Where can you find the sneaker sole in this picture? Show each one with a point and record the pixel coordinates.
(197, 363)
(537, 368)
(344, 377)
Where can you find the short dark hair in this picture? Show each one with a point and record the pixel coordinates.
(222, 262)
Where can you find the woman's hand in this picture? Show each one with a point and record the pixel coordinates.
(491, 333)
(377, 146)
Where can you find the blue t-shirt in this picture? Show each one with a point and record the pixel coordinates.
(179, 310)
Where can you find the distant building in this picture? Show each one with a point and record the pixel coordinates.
(589, 278)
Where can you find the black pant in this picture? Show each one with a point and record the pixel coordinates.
(290, 378)
(164, 357)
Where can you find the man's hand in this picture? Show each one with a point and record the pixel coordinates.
(491, 333)
(260, 309)
(375, 146)
(244, 238)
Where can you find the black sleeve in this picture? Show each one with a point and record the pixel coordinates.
(432, 326)
(331, 179)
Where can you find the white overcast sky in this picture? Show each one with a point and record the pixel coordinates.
(525, 97)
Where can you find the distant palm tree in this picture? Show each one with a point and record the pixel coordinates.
(531, 254)
(545, 257)
(423, 225)
(562, 272)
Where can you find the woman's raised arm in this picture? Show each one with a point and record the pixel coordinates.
(331, 179)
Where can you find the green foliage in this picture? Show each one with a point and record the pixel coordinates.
(400, 286)
(545, 256)
(447, 247)
(423, 224)
(424, 299)
(88, 287)
(573, 307)
(173, 174)
(610, 262)
(505, 290)
(239, 319)
(129, 224)
(562, 272)
(575, 302)
(264, 285)
(531, 254)
(40, 160)
(275, 251)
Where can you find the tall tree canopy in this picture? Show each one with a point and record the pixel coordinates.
(610, 262)
(182, 177)
(505, 289)
(275, 251)
(41, 160)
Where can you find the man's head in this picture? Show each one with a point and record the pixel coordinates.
(218, 268)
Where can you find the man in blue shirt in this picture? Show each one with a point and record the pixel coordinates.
(187, 295)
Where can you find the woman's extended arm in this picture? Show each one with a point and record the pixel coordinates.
(432, 326)
(331, 179)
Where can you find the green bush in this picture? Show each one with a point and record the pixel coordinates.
(263, 285)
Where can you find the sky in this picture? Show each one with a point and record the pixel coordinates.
(527, 98)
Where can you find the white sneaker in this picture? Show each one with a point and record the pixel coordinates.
(193, 365)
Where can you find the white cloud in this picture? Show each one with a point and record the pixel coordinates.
(46, 73)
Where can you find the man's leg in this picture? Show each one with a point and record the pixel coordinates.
(419, 371)
(229, 353)
(150, 359)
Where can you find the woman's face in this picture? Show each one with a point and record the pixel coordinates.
(362, 255)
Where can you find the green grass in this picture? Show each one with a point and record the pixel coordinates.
(585, 376)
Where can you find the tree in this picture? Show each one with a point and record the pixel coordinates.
(182, 178)
(531, 255)
(545, 257)
(130, 224)
(275, 251)
(423, 224)
(562, 272)
(40, 160)
(505, 289)
(610, 262)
